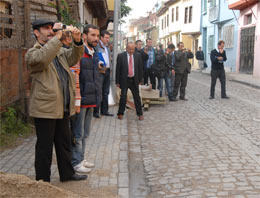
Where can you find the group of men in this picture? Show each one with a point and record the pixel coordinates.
(70, 74)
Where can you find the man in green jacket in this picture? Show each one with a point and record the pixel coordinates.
(52, 97)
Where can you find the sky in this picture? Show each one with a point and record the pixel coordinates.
(139, 8)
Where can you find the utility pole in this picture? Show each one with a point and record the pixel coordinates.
(115, 48)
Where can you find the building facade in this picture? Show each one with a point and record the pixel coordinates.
(179, 20)
(248, 59)
(219, 23)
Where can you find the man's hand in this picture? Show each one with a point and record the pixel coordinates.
(173, 72)
(76, 34)
(77, 109)
(117, 85)
(220, 58)
(221, 51)
(58, 26)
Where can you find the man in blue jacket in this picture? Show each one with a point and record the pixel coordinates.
(90, 92)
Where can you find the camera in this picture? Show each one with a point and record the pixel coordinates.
(64, 28)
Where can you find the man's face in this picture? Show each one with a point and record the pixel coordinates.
(92, 37)
(105, 39)
(221, 46)
(139, 45)
(130, 48)
(199, 48)
(44, 34)
(149, 43)
(181, 46)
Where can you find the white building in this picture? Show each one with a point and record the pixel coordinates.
(179, 20)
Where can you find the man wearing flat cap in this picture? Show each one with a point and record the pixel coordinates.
(52, 97)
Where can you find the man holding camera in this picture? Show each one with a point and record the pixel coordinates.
(52, 97)
(217, 57)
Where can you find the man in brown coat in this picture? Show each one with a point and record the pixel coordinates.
(52, 97)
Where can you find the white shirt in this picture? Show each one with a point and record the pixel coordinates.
(105, 55)
(90, 51)
(128, 57)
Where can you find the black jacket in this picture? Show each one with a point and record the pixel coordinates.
(122, 69)
(199, 55)
(182, 64)
(215, 63)
(143, 55)
(90, 88)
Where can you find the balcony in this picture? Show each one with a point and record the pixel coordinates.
(213, 13)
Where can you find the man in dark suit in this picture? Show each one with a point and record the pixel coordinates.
(182, 67)
(217, 57)
(129, 68)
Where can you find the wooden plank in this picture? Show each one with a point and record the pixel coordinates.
(27, 23)
(6, 16)
(9, 26)
(18, 23)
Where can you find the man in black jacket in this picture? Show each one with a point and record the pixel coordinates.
(142, 52)
(181, 67)
(218, 56)
(129, 74)
(200, 58)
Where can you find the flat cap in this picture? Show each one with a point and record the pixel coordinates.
(41, 22)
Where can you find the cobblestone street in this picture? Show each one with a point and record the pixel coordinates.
(201, 147)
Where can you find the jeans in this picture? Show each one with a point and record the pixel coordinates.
(167, 78)
(81, 128)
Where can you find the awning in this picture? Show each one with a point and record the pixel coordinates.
(242, 4)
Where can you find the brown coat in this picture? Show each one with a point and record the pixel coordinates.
(46, 99)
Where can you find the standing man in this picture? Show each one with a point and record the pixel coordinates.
(182, 67)
(142, 52)
(218, 56)
(172, 47)
(90, 92)
(52, 97)
(129, 76)
(200, 58)
(104, 54)
(147, 66)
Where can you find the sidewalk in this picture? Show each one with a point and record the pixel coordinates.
(246, 79)
(107, 147)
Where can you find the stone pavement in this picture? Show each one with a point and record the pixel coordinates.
(107, 147)
(201, 147)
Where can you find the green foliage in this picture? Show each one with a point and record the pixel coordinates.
(63, 10)
(125, 10)
(12, 126)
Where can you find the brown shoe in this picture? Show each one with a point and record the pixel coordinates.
(120, 117)
(141, 118)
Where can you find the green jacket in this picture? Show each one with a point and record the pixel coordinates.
(46, 98)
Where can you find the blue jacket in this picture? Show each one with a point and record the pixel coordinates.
(90, 88)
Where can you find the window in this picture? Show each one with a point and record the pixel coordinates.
(177, 13)
(248, 19)
(228, 35)
(190, 15)
(172, 14)
(211, 43)
(167, 20)
(162, 24)
(6, 20)
(186, 15)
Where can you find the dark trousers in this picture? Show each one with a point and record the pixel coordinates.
(149, 74)
(215, 74)
(180, 82)
(105, 84)
(123, 97)
(51, 131)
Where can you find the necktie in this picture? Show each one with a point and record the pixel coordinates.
(130, 67)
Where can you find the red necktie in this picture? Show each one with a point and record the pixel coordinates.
(130, 67)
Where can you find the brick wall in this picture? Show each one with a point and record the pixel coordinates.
(10, 76)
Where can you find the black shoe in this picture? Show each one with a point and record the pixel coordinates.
(183, 98)
(211, 97)
(107, 114)
(225, 97)
(75, 177)
(96, 115)
(173, 99)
